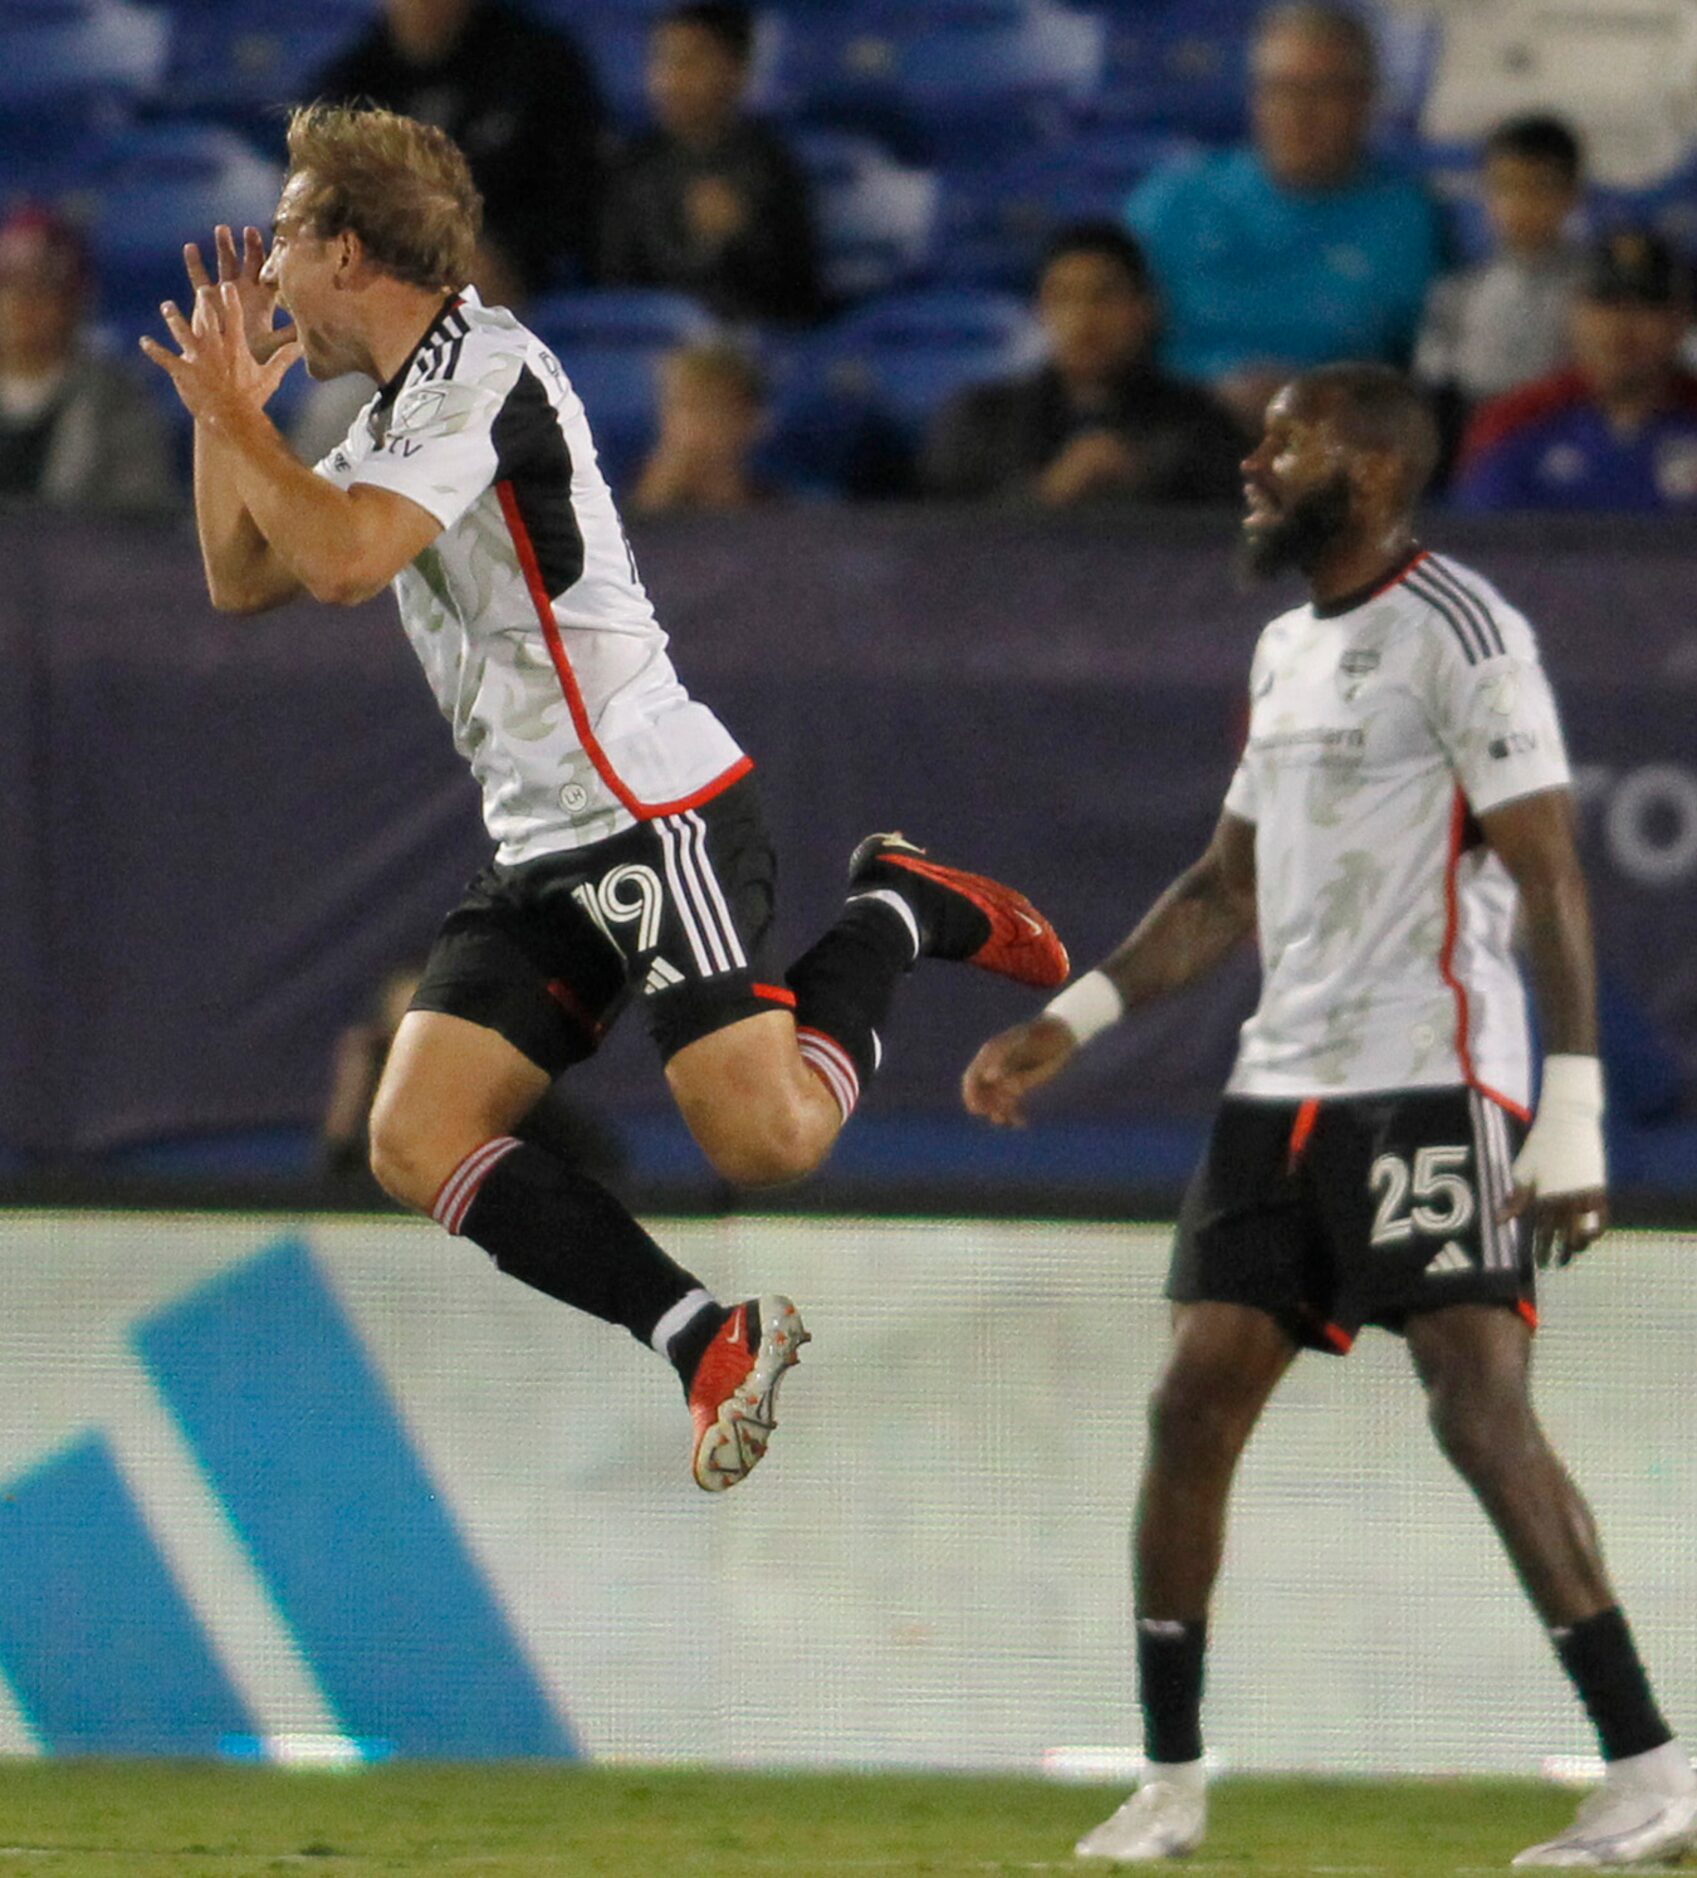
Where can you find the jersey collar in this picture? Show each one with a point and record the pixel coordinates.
(467, 296)
(1348, 602)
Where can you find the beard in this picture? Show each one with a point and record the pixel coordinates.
(1307, 529)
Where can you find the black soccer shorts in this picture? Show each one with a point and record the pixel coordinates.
(675, 912)
(1355, 1210)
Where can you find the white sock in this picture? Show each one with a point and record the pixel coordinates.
(1191, 1774)
(1666, 1769)
(684, 1312)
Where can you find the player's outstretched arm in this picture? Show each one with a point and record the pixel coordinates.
(1560, 1176)
(1202, 916)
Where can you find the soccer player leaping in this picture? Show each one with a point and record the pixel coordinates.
(1375, 1159)
(631, 860)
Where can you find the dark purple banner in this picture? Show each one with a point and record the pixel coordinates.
(221, 831)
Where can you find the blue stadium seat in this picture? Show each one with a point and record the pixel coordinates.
(992, 225)
(953, 80)
(904, 355)
(69, 68)
(148, 190)
(609, 341)
(874, 215)
(1178, 65)
(238, 59)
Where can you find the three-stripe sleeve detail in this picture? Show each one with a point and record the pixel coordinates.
(1471, 601)
(1467, 612)
(1466, 634)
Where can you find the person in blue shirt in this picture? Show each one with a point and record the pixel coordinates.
(1301, 247)
(1617, 431)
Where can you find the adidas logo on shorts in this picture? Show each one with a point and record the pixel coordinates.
(661, 977)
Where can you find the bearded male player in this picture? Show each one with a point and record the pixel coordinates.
(1376, 1159)
(631, 861)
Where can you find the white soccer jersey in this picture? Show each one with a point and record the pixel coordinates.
(526, 611)
(1379, 729)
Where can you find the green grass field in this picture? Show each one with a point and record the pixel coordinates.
(169, 1820)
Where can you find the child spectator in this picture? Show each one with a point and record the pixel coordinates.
(1617, 431)
(712, 413)
(710, 202)
(1496, 325)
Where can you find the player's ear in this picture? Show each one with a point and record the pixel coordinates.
(350, 254)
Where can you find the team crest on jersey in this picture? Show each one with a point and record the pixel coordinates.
(1356, 666)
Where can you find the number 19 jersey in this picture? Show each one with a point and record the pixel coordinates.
(1380, 729)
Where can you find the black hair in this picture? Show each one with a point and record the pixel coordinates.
(1105, 238)
(1539, 138)
(1373, 407)
(732, 26)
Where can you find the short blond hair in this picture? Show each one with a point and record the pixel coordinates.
(403, 187)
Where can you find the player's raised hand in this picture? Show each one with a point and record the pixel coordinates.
(214, 369)
(1010, 1066)
(243, 270)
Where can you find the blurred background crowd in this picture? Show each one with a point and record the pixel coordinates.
(1021, 251)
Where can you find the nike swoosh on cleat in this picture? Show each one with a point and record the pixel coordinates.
(1031, 925)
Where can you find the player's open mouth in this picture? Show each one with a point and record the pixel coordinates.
(1259, 505)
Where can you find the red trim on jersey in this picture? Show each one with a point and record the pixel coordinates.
(1303, 1126)
(1446, 967)
(643, 811)
(1402, 573)
(1340, 1340)
(1528, 1310)
(776, 994)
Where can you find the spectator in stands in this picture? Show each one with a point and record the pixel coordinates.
(76, 430)
(1504, 321)
(712, 414)
(1098, 420)
(1618, 429)
(1301, 247)
(710, 202)
(520, 100)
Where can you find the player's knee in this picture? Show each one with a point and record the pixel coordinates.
(767, 1150)
(1483, 1430)
(401, 1163)
(762, 1140)
(1196, 1413)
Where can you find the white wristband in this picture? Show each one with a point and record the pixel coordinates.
(1088, 1006)
(1563, 1152)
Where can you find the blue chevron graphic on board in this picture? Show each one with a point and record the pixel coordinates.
(312, 1465)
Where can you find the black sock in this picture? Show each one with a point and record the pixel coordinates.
(1601, 1658)
(1169, 1681)
(843, 984)
(564, 1234)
